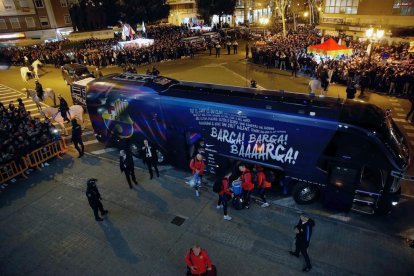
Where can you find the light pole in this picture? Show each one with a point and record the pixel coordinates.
(373, 36)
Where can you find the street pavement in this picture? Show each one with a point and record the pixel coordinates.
(48, 214)
(47, 228)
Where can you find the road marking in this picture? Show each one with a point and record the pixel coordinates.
(10, 97)
(408, 126)
(340, 217)
(91, 142)
(401, 115)
(395, 104)
(240, 76)
(393, 99)
(399, 109)
(400, 120)
(9, 93)
(102, 151)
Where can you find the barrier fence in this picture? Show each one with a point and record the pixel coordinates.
(32, 160)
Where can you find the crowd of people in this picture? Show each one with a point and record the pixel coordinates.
(20, 133)
(105, 52)
(388, 69)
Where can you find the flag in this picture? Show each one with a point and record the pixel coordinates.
(143, 27)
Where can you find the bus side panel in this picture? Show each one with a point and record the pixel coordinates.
(293, 143)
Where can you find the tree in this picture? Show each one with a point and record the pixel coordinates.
(280, 6)
(136, 11)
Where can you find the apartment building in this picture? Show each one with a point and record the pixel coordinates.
(182, 11)
(34, 18)
(354, 17)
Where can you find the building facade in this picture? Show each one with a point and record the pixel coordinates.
(354, 17)
(34, 18)
(182, 11)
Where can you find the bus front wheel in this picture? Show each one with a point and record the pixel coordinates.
(304, 193)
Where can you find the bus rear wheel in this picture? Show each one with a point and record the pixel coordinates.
(304, 193)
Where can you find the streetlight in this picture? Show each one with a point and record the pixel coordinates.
(306, 14)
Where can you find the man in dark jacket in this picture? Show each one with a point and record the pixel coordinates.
(64, 108)
(77, 137)
(94, 198)
(351, 90)
(303, 232)
(149, 154)
(39, 90)
(126, 164)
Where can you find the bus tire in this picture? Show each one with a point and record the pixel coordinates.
(304, 193)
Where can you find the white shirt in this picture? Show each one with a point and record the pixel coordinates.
(314, 85)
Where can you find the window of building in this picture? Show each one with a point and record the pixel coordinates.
(67, 19)
(30, 23)
(44, 21)
(9, 5)
(14, 22)
(3, 25)
(403, 7)
(341, 6)
(24, 3)
(63, 3)
(39, 3)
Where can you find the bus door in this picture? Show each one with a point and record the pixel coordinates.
(342, 181)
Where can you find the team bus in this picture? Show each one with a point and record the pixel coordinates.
(346, 152)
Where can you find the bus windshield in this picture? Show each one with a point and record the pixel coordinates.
(394, 140)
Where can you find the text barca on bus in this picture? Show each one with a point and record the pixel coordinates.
(345, 152)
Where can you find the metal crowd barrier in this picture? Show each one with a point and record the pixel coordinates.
(11, 170)
(46, 152)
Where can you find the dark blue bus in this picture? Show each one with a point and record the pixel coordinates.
(344, 151)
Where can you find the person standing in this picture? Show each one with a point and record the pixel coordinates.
(303, 231)
(224, 195)
(228, 44)
(218, 47)
(64, 108)
(235, 45)
(126, 164)
(247, 50)
(197, 167)
(77, 137)
(314, 86)
(363, 83)
(247, 185)
(262, 184)
(149, 154)
(351, 90)
(198, 262)
(94, 198)
(39, 90)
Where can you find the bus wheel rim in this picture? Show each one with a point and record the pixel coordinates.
(307, 194)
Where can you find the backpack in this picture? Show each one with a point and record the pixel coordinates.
(218, 186)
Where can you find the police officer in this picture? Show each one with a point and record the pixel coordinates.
(39, 90)
(94, 198)
(64, 108)
(253, 84)
(77, 137)
(303, 231)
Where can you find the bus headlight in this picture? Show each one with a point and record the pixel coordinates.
(394, 203)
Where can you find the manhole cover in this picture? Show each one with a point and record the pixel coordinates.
(178, 220)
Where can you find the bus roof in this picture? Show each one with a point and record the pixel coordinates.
(348, 112)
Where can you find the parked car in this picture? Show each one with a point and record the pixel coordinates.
(75, 72)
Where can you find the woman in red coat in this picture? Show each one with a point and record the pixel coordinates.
(197, 166)
(247, 185)
(198, 261)
(224, 195)
(262, 184)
